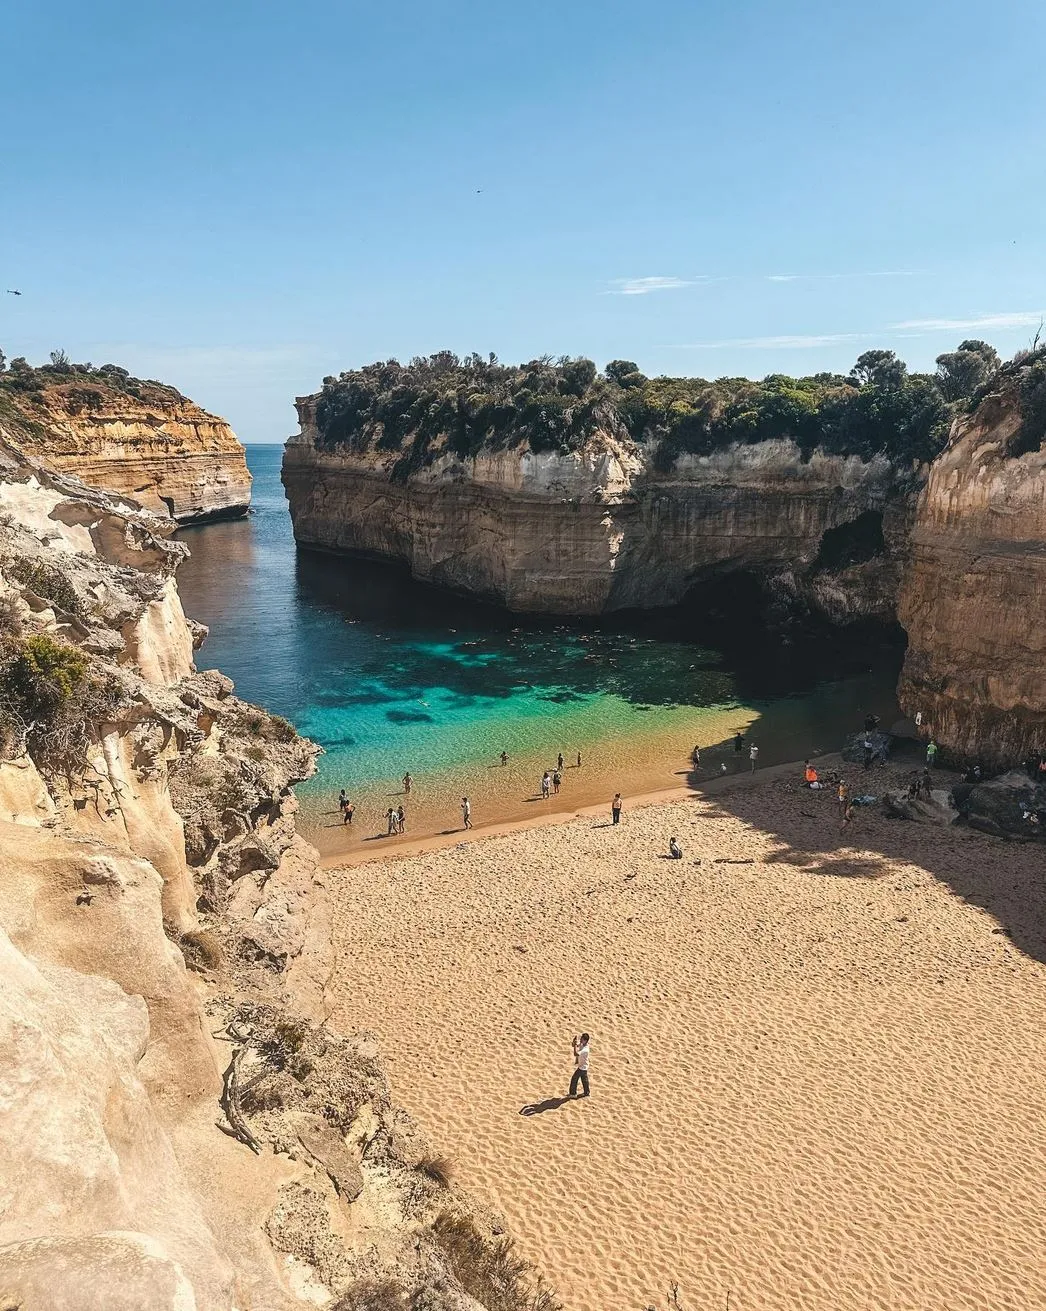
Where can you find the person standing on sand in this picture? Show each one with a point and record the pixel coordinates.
(753, 756)
(579, 760)
(695, 757)
(615, 808)
(559, 761)
(557, 779)
(546, 784)
(466, 813)
(346, 812)
(401, 820)
(407, 783)
(504, 757)
(580, 1075)
(343, 801)
(843, 794)
(739, 743)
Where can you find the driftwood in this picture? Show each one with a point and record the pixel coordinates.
(230, 1103)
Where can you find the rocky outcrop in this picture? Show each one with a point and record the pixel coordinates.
(601, 528)
(152, 444)
(179, 1128)
(973, 601)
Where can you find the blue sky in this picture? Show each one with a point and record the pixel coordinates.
(239, 198)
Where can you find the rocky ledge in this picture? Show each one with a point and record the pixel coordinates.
(180, 1128)
(140, 439)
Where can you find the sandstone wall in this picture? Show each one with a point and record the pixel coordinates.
(599, 529)
(974, 599)
(173, 457)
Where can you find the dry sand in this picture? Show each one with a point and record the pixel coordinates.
(817, 1058)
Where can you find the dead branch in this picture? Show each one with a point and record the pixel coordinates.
(230, 1104)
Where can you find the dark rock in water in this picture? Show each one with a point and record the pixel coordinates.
(1010, 806)
(858, 745)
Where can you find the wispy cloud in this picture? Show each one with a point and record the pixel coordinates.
(837, 277)
(1015, 319)
(787, 342)
(643, 286)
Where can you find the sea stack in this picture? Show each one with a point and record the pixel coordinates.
(139, 439)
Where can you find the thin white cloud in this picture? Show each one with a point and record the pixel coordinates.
(836, 277)
(786, 342)
(643, 286)
(1017, 319)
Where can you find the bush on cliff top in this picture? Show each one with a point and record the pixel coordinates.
(79, 387)
(464, 405)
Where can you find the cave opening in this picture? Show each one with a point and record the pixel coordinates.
(854, 542)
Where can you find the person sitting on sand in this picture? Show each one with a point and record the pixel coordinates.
(810, 774)
(615, 808)
(466, 813)
(674, 849)
(580, 1075)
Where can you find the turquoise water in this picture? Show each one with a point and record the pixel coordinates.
(389, 675)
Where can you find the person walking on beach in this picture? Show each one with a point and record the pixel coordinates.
(407, 784)
(739, 743)
(615, 808)
(557, 779)
(546, 783)
(579, 760)
(559, 761)
(753, 756)
(346, 812)
(931, 754)
(390, 816)
(580, 1075)
(695, 757)
(401, 820)
(504, 757)
(466, 813)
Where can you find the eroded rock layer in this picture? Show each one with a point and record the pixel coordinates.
(173, 457)
(973, 601)
(602, 529)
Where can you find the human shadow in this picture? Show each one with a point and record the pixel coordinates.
(549, 1104)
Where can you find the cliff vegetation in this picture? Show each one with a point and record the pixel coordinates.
(443, 402)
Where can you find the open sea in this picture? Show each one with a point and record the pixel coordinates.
(390, 675)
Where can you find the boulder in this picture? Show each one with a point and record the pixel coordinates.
(880, 743)
(938, 809)
(1009, 806)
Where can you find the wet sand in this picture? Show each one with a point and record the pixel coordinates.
(817, 1061)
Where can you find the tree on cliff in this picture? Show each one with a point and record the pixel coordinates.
(879, 369)
(961, 372)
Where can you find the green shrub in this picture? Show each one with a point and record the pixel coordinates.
(488, 1269)
(46, 581)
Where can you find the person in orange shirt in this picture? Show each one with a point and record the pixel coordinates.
(811, 774)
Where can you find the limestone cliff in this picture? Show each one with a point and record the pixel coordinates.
(603, 528)
(179, 1129)
(137, 438)
(974, 599)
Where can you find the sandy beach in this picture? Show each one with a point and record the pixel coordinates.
(817, 1063)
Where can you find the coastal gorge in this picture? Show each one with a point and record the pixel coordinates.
(140, 438)
(549, 487)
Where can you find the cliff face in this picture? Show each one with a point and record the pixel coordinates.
(601, 529)
(153, 444)
(179, 1130)
(974, 599)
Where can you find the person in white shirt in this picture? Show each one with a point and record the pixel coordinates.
(753, 756)
(466, 813)
(580, 1075)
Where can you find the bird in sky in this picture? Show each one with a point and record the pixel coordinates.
(13, 293)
